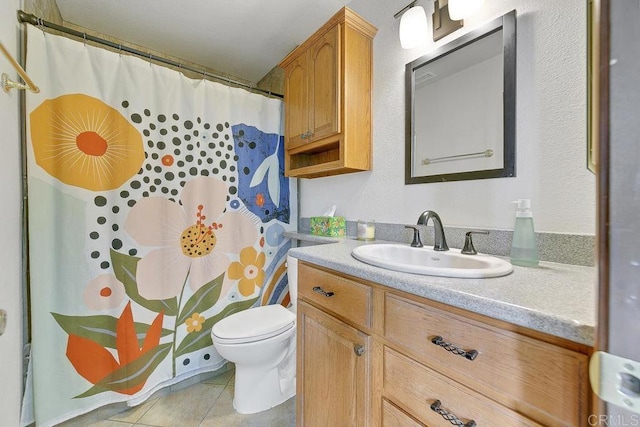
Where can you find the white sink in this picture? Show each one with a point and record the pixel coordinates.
(426, 261)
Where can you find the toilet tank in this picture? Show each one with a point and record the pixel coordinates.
(292, 274)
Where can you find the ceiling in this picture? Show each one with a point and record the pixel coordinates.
(244, 38)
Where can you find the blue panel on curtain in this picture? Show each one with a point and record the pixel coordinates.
(157, 206)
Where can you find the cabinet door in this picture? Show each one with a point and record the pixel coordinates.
(333, 385)
(325, 83)
(297, 96)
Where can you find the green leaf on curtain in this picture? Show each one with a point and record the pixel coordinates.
(202, 300)
(124, 268)
(131, 375)
(197, 340)
(101, 329)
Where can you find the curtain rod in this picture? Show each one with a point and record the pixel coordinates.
(28, 18)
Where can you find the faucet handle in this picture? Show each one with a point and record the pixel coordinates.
(468, 248)
(416, 243)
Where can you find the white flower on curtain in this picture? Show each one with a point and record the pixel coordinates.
(193, 239)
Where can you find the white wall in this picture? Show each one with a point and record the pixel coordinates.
(551, 130)
(10, 227)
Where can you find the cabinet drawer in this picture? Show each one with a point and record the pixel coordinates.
(544, 381)
(341, 296)
(412, 385)
(394, 417)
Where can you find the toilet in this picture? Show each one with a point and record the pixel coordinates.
(261, 342)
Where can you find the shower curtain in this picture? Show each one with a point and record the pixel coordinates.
(156, 207)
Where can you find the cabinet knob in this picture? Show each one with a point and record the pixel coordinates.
(358, 349)
(437, 408)
(321, 291)
(467, 354)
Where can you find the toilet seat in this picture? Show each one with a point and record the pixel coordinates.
(253, 324)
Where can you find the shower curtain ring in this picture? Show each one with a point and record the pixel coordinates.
(40, 24)
(84, 36)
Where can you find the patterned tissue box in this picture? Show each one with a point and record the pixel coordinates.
(332, 226)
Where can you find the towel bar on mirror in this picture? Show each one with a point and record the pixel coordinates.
(486, 153)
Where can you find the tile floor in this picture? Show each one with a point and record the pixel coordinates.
(204, 404)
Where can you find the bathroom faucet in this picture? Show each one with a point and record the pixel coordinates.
(439, 239)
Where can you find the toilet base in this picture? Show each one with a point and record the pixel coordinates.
(256, 390)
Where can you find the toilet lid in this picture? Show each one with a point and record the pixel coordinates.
(253, 324)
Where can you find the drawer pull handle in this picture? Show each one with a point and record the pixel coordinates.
(437, 408)
(321, 291)
(358, 349)
(470, 354)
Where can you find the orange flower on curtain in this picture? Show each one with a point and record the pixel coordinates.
(249, 270)
(128, 374)
(83, 142)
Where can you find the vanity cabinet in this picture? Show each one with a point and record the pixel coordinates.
(334, 375)
(423, 362)
(328, 81)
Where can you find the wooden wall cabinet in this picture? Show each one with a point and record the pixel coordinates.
(327, 95)
(369, 355)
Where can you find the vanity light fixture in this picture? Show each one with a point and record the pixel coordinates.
(413, 26)
(447, 17)
(443, 25)
(461, 9)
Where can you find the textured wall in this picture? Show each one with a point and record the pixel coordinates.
(551, 130)
(273, 81)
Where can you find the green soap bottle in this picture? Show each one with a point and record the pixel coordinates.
(524, 248)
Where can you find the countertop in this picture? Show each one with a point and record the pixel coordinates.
(557, 299)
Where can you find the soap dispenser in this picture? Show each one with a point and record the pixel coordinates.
(524, 249)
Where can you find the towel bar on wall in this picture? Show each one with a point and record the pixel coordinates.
(8, 84)
(486, 153)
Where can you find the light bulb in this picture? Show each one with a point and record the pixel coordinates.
(461, 9)
(413, 27)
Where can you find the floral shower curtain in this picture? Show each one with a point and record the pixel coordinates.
(157, 206)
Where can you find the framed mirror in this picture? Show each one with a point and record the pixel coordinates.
(461, 107)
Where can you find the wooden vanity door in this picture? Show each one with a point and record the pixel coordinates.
(333, 385)
(296, 93)
(325, 82)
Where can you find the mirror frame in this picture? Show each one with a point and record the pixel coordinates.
(506, 23)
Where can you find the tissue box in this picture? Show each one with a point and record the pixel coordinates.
(332, 226)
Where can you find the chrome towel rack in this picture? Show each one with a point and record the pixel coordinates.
(8, 84)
